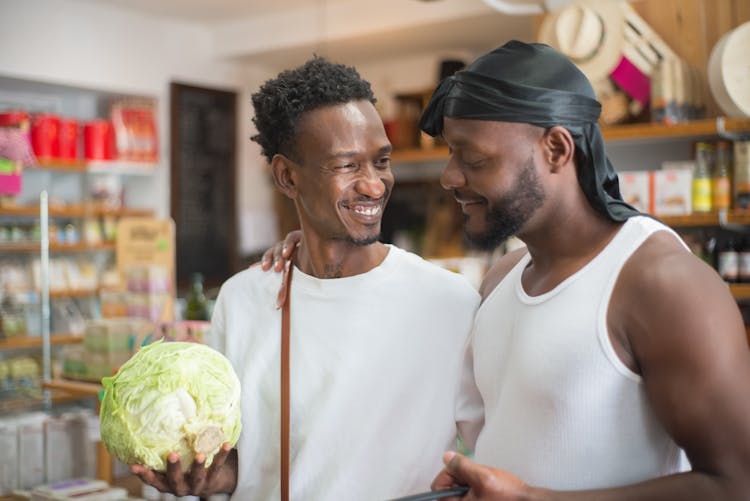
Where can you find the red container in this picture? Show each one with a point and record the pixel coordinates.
(15, 118)
(99, 140)
(68, 147)
(45, 136)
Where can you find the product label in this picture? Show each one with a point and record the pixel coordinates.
(721, 193)
(728, 265)
(744, 266)
(702, 195)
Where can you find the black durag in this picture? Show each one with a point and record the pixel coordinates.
(534, 84)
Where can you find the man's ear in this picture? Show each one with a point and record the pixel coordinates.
(559, 148)
(284, 175)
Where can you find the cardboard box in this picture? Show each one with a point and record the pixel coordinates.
(635, 187)
(672, 192)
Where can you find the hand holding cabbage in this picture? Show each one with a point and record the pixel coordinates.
(174, 397)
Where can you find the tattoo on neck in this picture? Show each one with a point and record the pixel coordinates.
(335, 270)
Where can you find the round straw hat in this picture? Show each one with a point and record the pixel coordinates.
(590, 33)
(729, 72)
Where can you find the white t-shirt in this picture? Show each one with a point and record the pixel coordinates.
(376, 361)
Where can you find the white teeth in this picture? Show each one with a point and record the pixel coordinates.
(367, 211)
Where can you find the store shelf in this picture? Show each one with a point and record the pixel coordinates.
(98, 167)
(705, 127)
(740, 291)
(33, 247)
(21, 342)
(73, 293)
(73, 211)
(79, 388)
(707, 219)
(27, 403)
(628, 132)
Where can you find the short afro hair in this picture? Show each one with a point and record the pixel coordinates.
(281, 101)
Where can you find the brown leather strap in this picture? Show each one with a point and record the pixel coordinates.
(285, 396)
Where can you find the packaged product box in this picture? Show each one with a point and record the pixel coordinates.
(9, 457)
(78, 489)
(635, 189)
(84, 442)
(58, 457)
(672, 191)
(31, 450)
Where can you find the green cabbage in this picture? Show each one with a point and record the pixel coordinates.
(170, 397)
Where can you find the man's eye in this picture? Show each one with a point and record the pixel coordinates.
(383, 162)
(348, 166)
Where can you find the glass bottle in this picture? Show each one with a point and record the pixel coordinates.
(728, 261)
(742, 175)
(721, 186)
(701, 186)
(196, 307)
(743, 272)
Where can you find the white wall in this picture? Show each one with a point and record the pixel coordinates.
(103, 48)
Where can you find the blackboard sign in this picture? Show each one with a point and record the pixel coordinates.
(203, 173)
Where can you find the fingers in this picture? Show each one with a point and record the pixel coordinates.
(174, 475)
(266, 260)
(198, 474)
(443, 480)
(151, 477)
(279, 261)
(463, 470)
(219, 459)
(281, 296)
(291, 241)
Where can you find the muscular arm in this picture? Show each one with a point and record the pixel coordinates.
(687, 339)
(675, 322)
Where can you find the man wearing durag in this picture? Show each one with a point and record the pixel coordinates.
(604, 352)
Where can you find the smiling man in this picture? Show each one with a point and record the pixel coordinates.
(378, 334)
(604, 352)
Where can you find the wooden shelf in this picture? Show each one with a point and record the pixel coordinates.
(24, 403)
(628, 132)
(79, 388)
(740, 291)
(20, 342)
(695, 128)
(73, 293)
(706, 219)
(74, 211)
(33, 247)
(97, 167)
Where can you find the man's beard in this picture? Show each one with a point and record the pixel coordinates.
(505, 216)
(363, 242)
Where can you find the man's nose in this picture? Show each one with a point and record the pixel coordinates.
(371, 182)
(452, 177)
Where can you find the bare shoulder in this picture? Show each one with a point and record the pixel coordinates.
(667, 300)
(663, 268)
(499, 269)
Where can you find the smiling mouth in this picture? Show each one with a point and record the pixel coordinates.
(366, 210)
(465, 200)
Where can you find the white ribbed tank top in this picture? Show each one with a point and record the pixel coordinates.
(561, 409)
